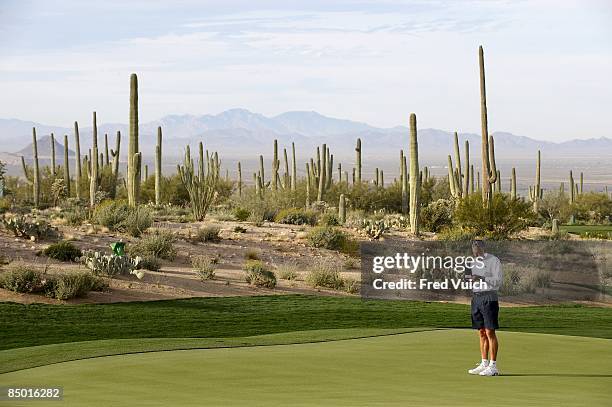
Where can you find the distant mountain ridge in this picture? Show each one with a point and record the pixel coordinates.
(239, 133)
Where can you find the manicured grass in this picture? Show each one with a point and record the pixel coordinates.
(577, 229)
(38, 324)
(415, 369)
(34, 356)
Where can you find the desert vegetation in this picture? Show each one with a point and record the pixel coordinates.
(327, 208)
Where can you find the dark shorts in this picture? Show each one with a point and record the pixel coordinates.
(485, 311)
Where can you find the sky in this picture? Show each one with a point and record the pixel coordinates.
(548, 63)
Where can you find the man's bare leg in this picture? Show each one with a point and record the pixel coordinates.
(484, 343)
(492, 343)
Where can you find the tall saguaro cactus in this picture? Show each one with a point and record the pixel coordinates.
(342, 209)
(36, 173)
(134, 158)
(158, 166)
(513, 184)
(293, 169)
(115, 164)
(93, 178)
(358, 161)
(202, 187)
(275, 166)
(66, 167)
(239, 179)
(53, 162)
(322, 171)
(77, 159)
(466, 171)
(404, 182)
(489, 171)
(415, 184)
(535, 192)
(572, 188)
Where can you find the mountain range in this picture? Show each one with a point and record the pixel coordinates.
(238, 133)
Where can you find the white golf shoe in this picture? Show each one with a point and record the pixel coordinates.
(480, 368)
(490, 371)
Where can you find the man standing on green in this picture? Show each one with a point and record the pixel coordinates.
(485, 308)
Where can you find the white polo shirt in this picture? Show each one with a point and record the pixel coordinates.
(491, 272)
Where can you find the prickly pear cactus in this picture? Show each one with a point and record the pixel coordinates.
(112, 265)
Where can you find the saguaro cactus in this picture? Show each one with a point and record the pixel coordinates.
(275, 166)
(572, 188)
(36, 173)
(202, 188)
(53, 162)
(134, 158)
(293, 168)
(93, 178)
(106, 155)
(322, 172)
(158, 166)
(239, 179)
(77, 159)
(459, 182)
(414, 176)
(403, 181)
(342, 209)
(581, 183)
(513, 184)
(66, 167)
(489, 172)
(358, 161)
(466, 175)
(535, 192)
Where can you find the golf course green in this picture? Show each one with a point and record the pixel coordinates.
(414, 368)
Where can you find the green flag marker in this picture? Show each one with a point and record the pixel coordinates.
(118, 248)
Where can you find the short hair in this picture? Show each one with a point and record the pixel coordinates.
(478, 243)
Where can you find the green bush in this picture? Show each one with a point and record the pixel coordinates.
(455, 234)
(204, 267)
(325, 274)
(258, 274)
(592, 208)
(287, 271)
(73, 285)
(111, 214)
(159, 243)
(139, 219)
(241, 214)
(5, 205)
(329, 219)
(22, 278)
(63, 251)
(504, 218)
(296, 216)
(327, 237)
(437, 215)
(208, 234)
(150, 263)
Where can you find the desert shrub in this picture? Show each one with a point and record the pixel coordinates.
(137, 221)
(159, 243)
(592, 207)
(75, 216)
(252, 254)
(287, 271)
(504, 218)
(597, 234)
(258, 274)
(208, 234)
(437, 215)
(325, 274)
(351, 263)
(296, 216)
(22, 278)
(327, 237)
(329, 219)
(111, 214)
(352, 286)
(240, 229)
(241, 214)
(554, 205)
(455, 234)
(73, 285)
(111, 265)
(63, 251)
(5, 205)
(28, 228)
(521, 280)
(150, 263)
(354, 219)
(204, 267)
